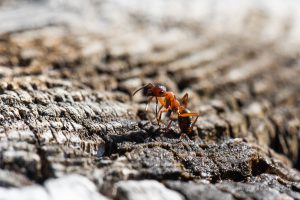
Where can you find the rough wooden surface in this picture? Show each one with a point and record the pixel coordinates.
(66, 108)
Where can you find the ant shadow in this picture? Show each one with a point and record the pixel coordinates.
(148, 133)
(160, 133)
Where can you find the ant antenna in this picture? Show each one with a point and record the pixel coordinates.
(148, 85)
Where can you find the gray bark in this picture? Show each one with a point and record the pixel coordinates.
(67, 115)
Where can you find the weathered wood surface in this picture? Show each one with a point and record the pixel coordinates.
(66, 109)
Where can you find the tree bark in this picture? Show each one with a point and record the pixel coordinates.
(67, 115)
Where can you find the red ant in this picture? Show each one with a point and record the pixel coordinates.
(179, 107)
(170, 103)
(151, 91)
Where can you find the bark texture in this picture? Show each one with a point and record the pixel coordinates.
(67, 118)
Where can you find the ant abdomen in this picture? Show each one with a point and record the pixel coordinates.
(185, 123)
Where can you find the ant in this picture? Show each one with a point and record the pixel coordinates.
(171, 104)
(152, 91)
(179, 107)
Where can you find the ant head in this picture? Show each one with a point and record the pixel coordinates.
(152, 90)
(146, 89)
(158, 91)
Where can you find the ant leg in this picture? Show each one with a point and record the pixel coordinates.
(190, 129)
(170, 122)
(189, 115)
(148, 102)
(156, 107)
(184, 100)
(193, 124)
(160, 113)
(161, 101)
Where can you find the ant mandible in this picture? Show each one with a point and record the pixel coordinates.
(170, 103)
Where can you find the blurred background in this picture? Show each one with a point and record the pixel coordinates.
(267, 18)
